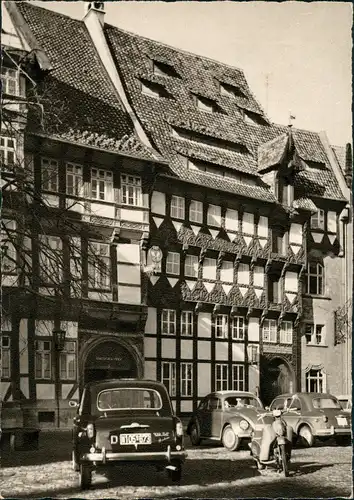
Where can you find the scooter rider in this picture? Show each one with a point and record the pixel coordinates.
(269, 434)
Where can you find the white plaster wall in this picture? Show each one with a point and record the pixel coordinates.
(150, 347)
(150, 370)
(128, 253)
(45, 391)
(253, 329)
(204, 324)
(186, 349)
(186, 406)
(158, 203)
(221, 351)
(129, 294)
(238, 352)
(204, 378)
(168, 348)
(150, 325)
(203, 349)
(129, 274)
(132, 215)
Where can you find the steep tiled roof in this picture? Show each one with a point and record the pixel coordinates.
(271, 153)
(201, 76)
(339, 152)
(77, 96)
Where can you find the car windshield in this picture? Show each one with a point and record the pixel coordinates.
(325, 403)
(128, 398)
(241, 402)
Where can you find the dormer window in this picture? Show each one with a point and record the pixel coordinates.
(163, 69)
(287, 195)
(231, 90)
(10, 81)
(205, 104)
(318, 220)
(153, 90)
(252, 118)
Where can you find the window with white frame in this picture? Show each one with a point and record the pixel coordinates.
(221, 326)
(209, 269)
(187, 323)
(10, 81)
(238, 377)
(315, 381)
(43, 359)
(221, 377)
(314, 334)
(177, 207)
(67, 361)
(318, 219)
(74, 180)
(227, 271)
(51, 259)
(101, 184)
(243, 274)
(5, 356)
(172, 263)
(196, 212)
(269, 331)
(286, 332)
(191, 266)
(168, 376)
(168, 322)
(186, 379)
(131, 190)
(214, 215)
(9, 253)
(7, 151)
(238, 328)
(49, 174)
(99, 265)
(258, 276)
(315, 278)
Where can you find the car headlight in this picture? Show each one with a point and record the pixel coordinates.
(244, 425)
(179, 429)
(325, 418)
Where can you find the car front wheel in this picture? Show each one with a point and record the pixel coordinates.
(229, 439)
(306, 436)
(85, 477)
(195, 434)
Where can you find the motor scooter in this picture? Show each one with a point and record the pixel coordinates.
(271, 442)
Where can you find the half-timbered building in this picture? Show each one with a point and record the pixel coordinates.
(227, 236)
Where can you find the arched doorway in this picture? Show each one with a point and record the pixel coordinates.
(108, 359)
(277, 377)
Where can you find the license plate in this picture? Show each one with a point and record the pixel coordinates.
(342, 421)
(141, 438)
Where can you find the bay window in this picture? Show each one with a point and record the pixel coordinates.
(131, 190)
(101, 185)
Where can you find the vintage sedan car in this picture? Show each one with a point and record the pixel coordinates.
(314, 415)
(226, 416)
(124, 421)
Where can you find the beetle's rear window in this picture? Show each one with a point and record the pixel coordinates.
(127, 398)
(325, 403)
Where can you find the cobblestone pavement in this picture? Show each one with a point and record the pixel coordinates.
(209, 472)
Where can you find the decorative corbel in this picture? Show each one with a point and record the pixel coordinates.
(220, 259)
(217, 309)
(263, 316)
(268, 266)
(185, 247)
(238, 259)
(302, 272)
(297, 320)
(281, 317)
(253, 263)
(285, 267)
(202, 254)
(198, 307)
(249, 313)
(235, 311)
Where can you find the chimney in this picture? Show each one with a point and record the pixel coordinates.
(95, 9)
(348, 173)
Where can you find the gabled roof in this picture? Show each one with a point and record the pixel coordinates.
(339, 152)
(199, 75)
(79, 100)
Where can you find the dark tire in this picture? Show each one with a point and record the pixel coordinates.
(342, 440)
(85, 477)
(284, 461)
(194, 434)
(75, 465)
(306, 437)
(229, 439)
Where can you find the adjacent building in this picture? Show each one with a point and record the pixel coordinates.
(195, 242)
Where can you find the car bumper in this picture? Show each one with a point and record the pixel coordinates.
(332, 431)
(104, 457)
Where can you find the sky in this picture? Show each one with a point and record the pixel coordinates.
(296, 55)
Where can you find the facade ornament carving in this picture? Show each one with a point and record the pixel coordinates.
(268, 266)
(263, 316)
(249, 313)
(198, 307)
(220, 259)
(202, 255)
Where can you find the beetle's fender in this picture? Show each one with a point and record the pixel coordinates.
(235, 424)
(304, 422)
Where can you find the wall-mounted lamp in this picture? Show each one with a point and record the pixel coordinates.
(59, 339)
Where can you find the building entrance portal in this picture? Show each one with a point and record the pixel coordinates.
(277, 377)
(108, 360)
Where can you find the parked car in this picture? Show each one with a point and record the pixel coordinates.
(345, 402)
(314, 415)
(226, 416)
(124, 421)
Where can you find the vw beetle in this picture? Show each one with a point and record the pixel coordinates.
(226, 416)
(126, 421)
